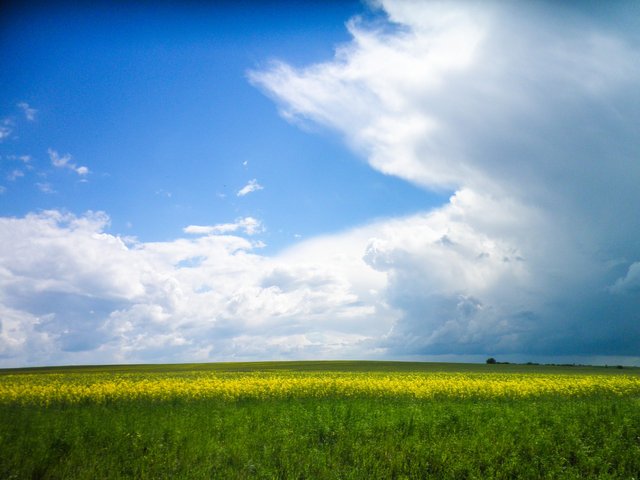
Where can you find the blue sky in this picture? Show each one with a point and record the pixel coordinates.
(316, 180)
(157, 104)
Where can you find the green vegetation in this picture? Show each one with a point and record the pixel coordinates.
(330, 438)
(327, 366)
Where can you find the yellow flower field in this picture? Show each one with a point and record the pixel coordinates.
(72, 388)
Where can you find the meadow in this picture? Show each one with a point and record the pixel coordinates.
(317, 420)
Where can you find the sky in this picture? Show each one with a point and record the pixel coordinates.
(406, 180)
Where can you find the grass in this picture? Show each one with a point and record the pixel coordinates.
(327, 366)
(330, 438)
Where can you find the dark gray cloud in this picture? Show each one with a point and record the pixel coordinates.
(530, 112)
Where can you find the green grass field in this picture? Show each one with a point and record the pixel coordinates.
(334, 437)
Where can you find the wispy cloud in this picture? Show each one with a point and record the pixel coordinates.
(14, 175)
(248, 225)
(64, 161)
(164, 193)
(252, 186)
(45, 187)
(29, 112)
(26, 159)
(60, 161)
(6, 128)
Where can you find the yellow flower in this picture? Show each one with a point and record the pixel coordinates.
(44, 389)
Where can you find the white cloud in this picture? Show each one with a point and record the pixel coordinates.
(29, 112)
(26, 159)
(45, 187)
(5, 129)
(57, 160)
(15, 174)
(164, 193)
(248, 225)
(85, 294)
(250, 187)
(529, 121)
(64, 161)
(21, 339)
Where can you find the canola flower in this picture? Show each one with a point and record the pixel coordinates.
(75, 388)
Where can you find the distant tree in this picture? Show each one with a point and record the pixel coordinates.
(491, 361)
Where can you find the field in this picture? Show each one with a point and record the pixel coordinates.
(320, 420)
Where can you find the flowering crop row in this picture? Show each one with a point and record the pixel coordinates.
(103, 387)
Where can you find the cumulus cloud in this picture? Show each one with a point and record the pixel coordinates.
(528, 114)
(64, 161)
(70, 292)
(252, 186)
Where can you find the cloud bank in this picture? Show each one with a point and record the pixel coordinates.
(528, 114)
(71, 293)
